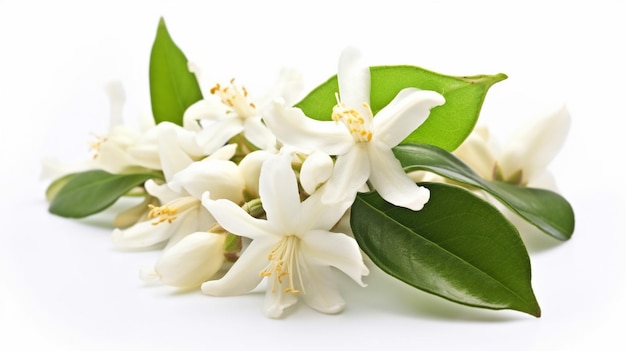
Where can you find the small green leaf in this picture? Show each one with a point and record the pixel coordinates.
(546, 210)
(447, 126)
(458, 247)
(92, 191)
(172, 87)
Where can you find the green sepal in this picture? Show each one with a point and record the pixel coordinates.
(458, 247)
(447, 125)
(173, 88)
(93, 191)
(232, 247)
(547, 210)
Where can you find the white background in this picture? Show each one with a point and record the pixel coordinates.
(63, 286)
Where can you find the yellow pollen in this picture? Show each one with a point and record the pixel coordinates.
(236, 97)
(357, 125)
(164, 214)
(284, 265)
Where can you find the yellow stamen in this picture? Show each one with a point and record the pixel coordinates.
(164, 213)
(284, 265)
(235, 97)
(96, 145)
(357, 125)
(170, 211)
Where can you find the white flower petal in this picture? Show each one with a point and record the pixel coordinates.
(113, 159)
(321, 292)
(210, 108)
(235, 220)
(535, 145)
(226, 152)
(354, 80)
(407, 111)
(543, 180)
(292, 127)
(221, 178)
(191, 220)
(173, 158)
(276, 302)
(350, 173)
(143, 235)
(161, 191)
(477, 153)
(288, 86)
(279, 192)
(258, 134)
(318, 215)
(316, 169)
(244, 275)
(338, 250)
(218, 133)
(392, 183)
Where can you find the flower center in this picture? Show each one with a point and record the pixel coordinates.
(284, 265)
(358, 126)
(516, 178)
(236, 98)
(168, 212)
(96, 145)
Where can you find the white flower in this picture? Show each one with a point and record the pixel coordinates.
(293, 249)
(524, 159)
(108, 152)
(181, 213)
(193, 260)
(234, 112)
(361, 142)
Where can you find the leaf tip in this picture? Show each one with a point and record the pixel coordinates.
(499, 77)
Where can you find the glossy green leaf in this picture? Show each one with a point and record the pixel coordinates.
(546, 210)
(92, 191)
(447, 126)
(172, 87)
(458, 247)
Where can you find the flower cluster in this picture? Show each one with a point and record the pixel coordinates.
(243, 193)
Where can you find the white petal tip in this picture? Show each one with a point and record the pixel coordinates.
(148, 274)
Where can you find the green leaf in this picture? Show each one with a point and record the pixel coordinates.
(447, 126)
(458, 247)
(546, 210)
(92, 191)
(172, 87)
(56, 185)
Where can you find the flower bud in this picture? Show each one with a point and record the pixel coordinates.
(316, 169)
(189, 263)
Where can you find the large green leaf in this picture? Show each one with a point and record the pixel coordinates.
(447, 126)
(172, 87)
(458, 247)
(92, 191)
(546, 210)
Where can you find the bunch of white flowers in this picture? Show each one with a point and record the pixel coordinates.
(268, 173)
(243, 193)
